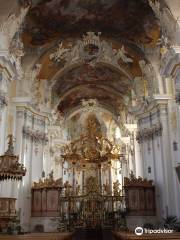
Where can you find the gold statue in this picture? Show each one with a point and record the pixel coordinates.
(131, 175)
(116, 188)
(51, 176)
(107, 189)
(77, 190)
(67, 187)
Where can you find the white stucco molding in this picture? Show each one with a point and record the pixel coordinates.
(25, 103)
(7, 67)
(170, 61)
(153, 106)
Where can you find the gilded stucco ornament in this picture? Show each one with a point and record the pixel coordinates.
(90, 50)
(10, 168)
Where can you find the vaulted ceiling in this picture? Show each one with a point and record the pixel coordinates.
(128, 23)
(130, 20)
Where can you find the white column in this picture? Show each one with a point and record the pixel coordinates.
(138, 160)
(167, 187)
(3, 117)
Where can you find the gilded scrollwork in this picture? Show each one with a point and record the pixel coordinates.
(116, 188)
(133, 181)
(48, 182)
(10, 168)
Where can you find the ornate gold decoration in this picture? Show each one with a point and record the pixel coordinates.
(68, 189)
(92, 185)
(133, 181)
(116, 188)
(10, 168)
(91, 147)
(48, 182)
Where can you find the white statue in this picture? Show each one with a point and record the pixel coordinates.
(12, 24)
(78, 52)
(60, 54)
(121, 54)
(107, 53)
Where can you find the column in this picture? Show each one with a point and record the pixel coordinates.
(138, 160)
(167, 187)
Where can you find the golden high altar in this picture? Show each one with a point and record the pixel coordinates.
(92, 204)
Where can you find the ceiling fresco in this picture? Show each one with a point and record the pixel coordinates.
(118, 19)
(106, 99)
(127, 24)
(99, 76)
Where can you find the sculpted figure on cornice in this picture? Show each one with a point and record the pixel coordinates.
(167, 21)
(11, 25)
(90, 50)
(116, 188)
(164, 44)
(169, 60)
(35, 87)
(149, 74)
(90, 105)
(16, 49)
(56, 118)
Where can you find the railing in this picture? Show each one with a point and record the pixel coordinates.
(92, 210)
(88, 210)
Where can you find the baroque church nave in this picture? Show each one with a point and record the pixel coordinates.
(89, 119)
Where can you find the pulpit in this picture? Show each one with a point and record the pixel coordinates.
(11, 171)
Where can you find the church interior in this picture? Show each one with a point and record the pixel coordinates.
(89, 119)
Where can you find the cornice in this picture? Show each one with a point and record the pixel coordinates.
(24, 104)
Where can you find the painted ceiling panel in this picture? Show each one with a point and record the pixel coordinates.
(120, 19)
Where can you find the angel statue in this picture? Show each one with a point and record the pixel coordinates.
(116, 188)
(60, 54)
(122, 54)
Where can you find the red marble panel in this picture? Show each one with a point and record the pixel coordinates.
(37, 201)
(52, 200)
